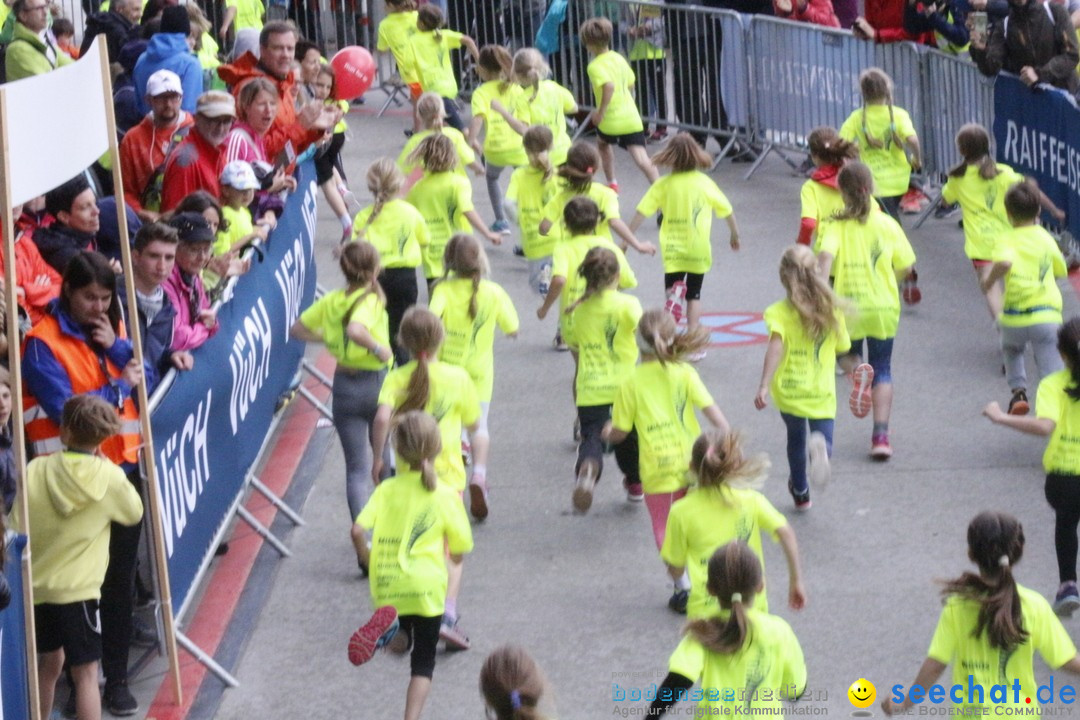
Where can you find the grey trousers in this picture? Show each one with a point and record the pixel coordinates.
(1043, 341)
(355, 400)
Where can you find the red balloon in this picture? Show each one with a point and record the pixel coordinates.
(355, 71)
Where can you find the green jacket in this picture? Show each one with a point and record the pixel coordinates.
(26, 56)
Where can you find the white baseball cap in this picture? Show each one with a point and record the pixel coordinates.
(164, 81)
(239, 176)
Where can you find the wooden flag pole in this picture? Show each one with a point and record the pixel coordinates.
(18, 442)
(135, 334)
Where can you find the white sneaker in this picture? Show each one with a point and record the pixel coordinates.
(819, 472)
(583, 488)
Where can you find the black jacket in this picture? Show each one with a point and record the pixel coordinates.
(116, 29)
(58, 243)
(1033, 37)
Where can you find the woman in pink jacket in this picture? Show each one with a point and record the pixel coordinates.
(195, 321)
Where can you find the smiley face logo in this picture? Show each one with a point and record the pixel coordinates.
(862, 693)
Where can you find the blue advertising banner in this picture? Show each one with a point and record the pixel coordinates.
(210, 426)
(1037, 132)
(14, 702)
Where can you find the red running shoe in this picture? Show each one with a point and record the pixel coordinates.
(861, 400)
(378, 631)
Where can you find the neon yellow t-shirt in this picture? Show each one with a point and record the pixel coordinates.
(451, 401)
(756, 680)
(659, 401)
(606, 199)
(805, 381)
(464, 151)
(549, 108)
(819, 202)
(888, 164)
(532, 192)
(567, 257)
(1032, 296)
(443, 199)
(502, 144)
(470, 342)
(240, 226)
(602, 330)
(866, 258)
(621, 116)
(412, 530)
(688, 201)
(326, 316)
(647, 17)
(706, 519)
(399, 233)
(394, 32)
(249, 13)
(983, 204)
(431, 61)
(954, 644)
(1062, 454)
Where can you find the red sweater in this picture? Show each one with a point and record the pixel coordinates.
(141, 151)
(29, 267)
(194, 165)
(817, 12)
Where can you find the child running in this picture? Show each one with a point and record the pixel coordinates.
(991, 626)
(400, 235)
(432, 114)
(886, 138)
(394, 35)
(531, 188)
(444, 198)
(979, 185)
(616, 116)
(447, 392)
(601, 329)
(512, 685)
(687, 200)
(580, 217)
(470, 307)
(352, 323)
(806, 332)
(418, 526)
(653, 413)
(820, 197)
(502, 144)
(1058, 418)
(430, 47)
(576, 179)
(739, 651)
(724, 506)
(1029, 260)
(867, 252)
(547, 102)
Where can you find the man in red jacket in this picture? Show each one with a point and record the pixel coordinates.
(277, 48)
(195, 163)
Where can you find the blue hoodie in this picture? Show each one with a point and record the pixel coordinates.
(169, 51)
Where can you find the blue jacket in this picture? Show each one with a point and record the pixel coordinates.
(156, 339)
(169, 51)
(47, 380)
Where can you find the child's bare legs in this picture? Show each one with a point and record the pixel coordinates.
(87, 699)
(416, 696)
(607, 160)
(334, 199)
(641, 159)
(49, 667)
(993, 296)
(693, 314)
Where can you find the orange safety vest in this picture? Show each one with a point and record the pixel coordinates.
(84, 370)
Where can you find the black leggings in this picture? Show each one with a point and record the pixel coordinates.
(592, 419)
(1063, 494)
(424, 632)
(118, 596)
(328, 159)
(399, 284)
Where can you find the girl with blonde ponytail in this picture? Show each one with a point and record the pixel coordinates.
(432, 116)
(740, 647)
(600, 327)
(547, 102)
(806, 333)
(724, 506)
(470, 307)
(991, 617)
(653, 413)
(531, 188)
(446, 391)
(418, 527)
(399, 232)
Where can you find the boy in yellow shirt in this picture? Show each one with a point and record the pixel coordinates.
(616, 116)
(1029, 261)
(74, 496)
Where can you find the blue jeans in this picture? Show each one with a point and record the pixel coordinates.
(878, 354)
(796, 446)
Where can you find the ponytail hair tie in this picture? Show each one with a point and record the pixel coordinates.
(1003, 561)
(590, 169)
(423, 355)
(736, 598)
(515, 699)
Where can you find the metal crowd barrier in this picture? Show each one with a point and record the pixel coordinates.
(956, 93)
